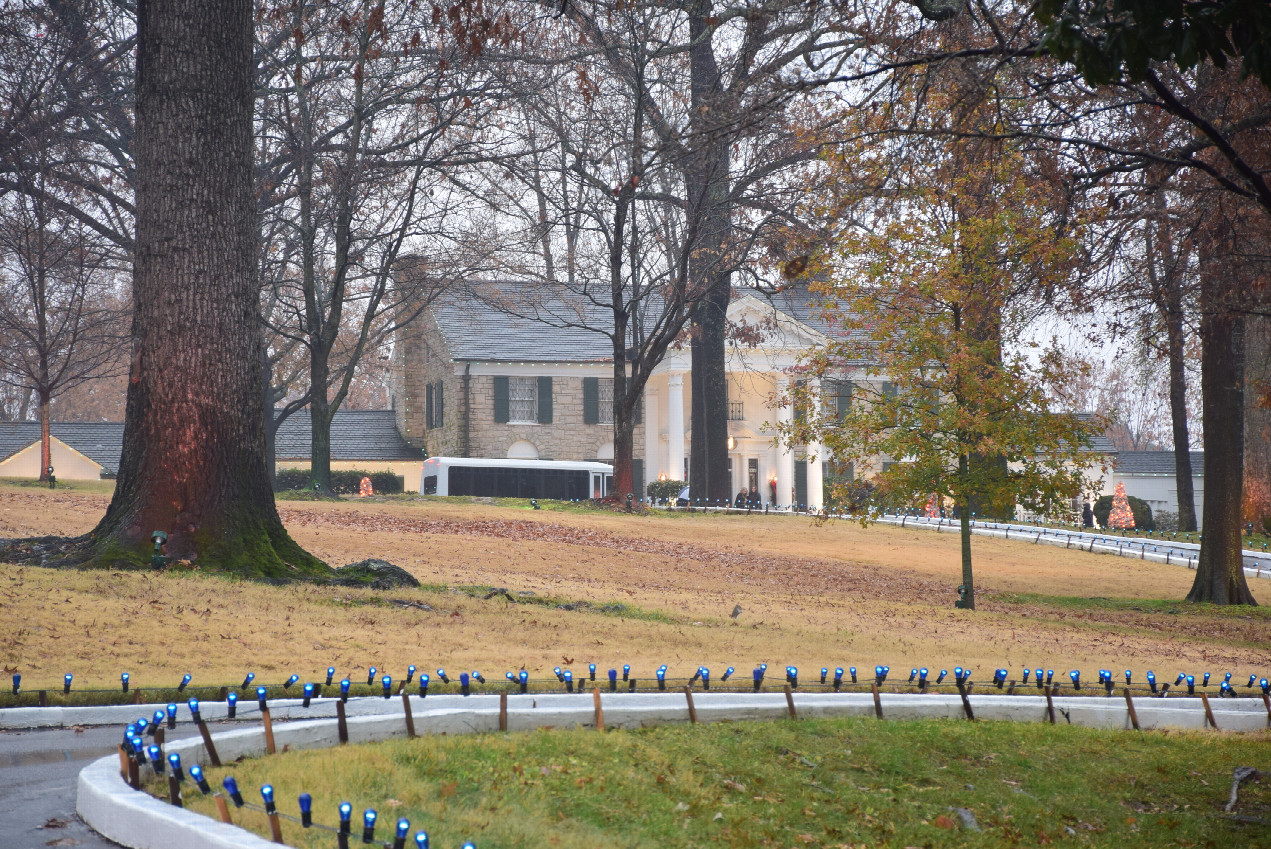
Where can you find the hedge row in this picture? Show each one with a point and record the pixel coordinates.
(342, 482)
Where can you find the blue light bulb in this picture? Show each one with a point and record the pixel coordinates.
(370, 675)
(231, 787)
(66, 682)
(626, 670)
(344, 687)
(403, 826)
(185, 680)
(421, 840)
(306, 810)
(290, 680)
(159, 717)
(231, 703)
(196, 773)
(368, 825)
(260, 697)
(174, 761)
(267, 793)
(247, 681)
(193, 704)
(346, 817)
(410, 673)
(330, 674)
(523, 676)
(387, 682)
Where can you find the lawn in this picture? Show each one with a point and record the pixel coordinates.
(609, 588)
(825, 783)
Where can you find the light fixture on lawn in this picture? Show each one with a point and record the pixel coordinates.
(267, 793)
(410, 673)
(370, 676)
(196, 773)
(344, 689)
(1151, 680)
(368, 825)
(423, 685)
(1205, 680)
(838, 677)
(330, 674)
(626, 671)
(387, 683)
(123, 680)
(1191, 685)
(569, 681)
(17, 682)
(591, 672)
(613, 680)
(174, 761)
(661, 675)
(66, 682)
(157, 720)
(306, 810)
(193, 705)
(231, 704)
(156, 758)
(403, 828)
(231, 788)
(464, 684)
(346, 818)
(308, 694)
(247, 682)
(185, 682)
(1128, 675)
(1027, 672)
(421, 840)
(260, 698)
(706, 677)
(728, 673)
(1075, 675)
(479, 677)
(441, 673)
(172, 715)
(291, 680)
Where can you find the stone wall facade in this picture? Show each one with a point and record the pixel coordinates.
(468, 428)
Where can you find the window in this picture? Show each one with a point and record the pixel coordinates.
(605, 410)
(522, 399)
(434, 408)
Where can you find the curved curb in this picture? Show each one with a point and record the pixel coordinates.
(139, 820)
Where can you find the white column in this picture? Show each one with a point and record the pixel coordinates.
(652, 436)
(675, 427)
(785, 456)
(816, 454)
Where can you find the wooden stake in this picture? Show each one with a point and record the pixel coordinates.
(123, 763)
(878, 701)
(503, 711)
(341, 723)
(275, 827)
(158, 736)
(410, 717)
(223, 810)
(174, 791)
(269, 730)
(692, 711)
(134, 775)
(44, 698)
(212, 756)
(1129, 705)
(794, 714)
(1209, 714)
(966, 703)
(1050, 705)
(224, 693)
(600, 713)
(1266, 700)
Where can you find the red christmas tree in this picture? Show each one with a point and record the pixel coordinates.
(1121, 515)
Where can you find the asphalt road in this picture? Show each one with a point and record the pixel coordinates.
(38, 774)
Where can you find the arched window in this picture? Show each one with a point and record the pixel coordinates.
(523, 450)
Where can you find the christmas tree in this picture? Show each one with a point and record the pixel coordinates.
(1121, 515)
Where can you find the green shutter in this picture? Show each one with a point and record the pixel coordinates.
(544, 400)
(428, 407)
(843, 399)
(639, 410)
(439, 418)
(501, 404)
(800, 482)
(591, 400)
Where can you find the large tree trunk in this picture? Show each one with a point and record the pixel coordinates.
(709, 216)
(46, 446)
(964, 514)
(193, 462)
(1178, 411)
(1258, 420)
(1220, 576)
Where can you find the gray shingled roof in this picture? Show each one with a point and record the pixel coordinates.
(355, 435)
(99, 441)
(508, 322)
(1156, 463)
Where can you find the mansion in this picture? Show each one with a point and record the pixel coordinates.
(476, 380)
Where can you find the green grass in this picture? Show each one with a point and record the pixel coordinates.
(1169, 607)
(828, 783)
(99, 486)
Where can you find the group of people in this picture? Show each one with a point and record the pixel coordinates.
(748, 499)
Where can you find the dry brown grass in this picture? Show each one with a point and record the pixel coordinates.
(811, 595)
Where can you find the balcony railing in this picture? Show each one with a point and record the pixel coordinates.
(736, 413)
